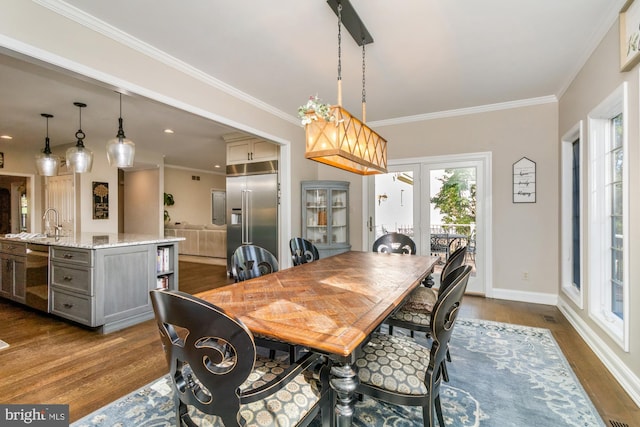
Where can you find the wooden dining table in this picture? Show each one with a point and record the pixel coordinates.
(331, 306)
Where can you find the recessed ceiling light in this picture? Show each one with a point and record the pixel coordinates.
(6, 137)
(217, 166)
(168, 131)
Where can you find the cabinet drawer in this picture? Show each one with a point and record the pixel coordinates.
(73, 256)
(75, 279)
(72, 306)
(14, 248)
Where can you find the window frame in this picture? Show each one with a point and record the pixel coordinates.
(575, 292)
(599, 235)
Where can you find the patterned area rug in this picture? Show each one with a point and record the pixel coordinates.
(501, 375)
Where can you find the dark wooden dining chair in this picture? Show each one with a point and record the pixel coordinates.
(419, 385)
(303, 251)
(215, 371)
(249, 261)
(395, 243)
(415, 313)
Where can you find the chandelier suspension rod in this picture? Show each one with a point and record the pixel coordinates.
(364, 92)
(340, 55)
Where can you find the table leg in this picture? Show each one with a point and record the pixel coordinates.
(344, 381)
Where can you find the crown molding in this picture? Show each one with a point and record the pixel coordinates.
(73, 13)
(466, 111)
(77, 15)
(597, 35)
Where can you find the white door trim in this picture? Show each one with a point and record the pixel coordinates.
(485, 239)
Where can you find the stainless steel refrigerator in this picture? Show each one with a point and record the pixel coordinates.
(252, 206)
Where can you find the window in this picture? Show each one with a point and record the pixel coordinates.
(575, 213)
(571, 216)
(608, 217)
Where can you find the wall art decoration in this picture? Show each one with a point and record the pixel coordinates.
(100, 191)
(524, 181)
(629, 35)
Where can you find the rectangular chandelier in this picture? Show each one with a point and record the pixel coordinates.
(346, 143)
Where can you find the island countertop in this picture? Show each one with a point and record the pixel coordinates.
(94, 240)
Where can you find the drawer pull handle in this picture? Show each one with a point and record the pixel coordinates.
(67, 305)
(67, 256)
(68, 278)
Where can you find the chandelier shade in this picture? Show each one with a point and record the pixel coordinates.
(47, 164)
(339, 139)
(79, 158)
(346, 143)
(121, 150)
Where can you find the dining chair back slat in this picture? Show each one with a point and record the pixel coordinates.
(303, 251)
(251, 261)
(395, 243)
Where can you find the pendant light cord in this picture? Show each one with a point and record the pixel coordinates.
(80, 134)
(47, 148)
(120, 134)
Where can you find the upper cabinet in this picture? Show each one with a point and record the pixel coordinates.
(247, 149)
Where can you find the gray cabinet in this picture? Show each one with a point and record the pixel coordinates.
(13, 270)
(109, 287)
(325, 216)
(72, 293)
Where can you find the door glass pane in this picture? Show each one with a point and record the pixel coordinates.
(316, 215)
(617, 270)
(338, 216)
(394, 203)
(452, 208)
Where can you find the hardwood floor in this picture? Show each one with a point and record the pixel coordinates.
(53, 361)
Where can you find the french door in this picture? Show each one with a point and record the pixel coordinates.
(441, 203)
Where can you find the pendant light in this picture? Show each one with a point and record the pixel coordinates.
(345, 142)
(79, 158)
(120, 150)
(47, 164)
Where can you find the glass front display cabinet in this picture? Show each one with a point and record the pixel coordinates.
(325, 216)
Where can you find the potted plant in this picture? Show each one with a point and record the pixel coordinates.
(168, 201)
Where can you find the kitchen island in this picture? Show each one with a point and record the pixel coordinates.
(95, 279)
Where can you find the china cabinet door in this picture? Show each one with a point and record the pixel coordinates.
(325, 216)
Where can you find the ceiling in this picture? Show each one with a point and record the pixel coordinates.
(428, 57)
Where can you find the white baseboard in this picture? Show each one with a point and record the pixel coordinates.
(627, 379)
(522, 296)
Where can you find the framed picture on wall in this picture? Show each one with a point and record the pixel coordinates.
(524, 181)
(100, 191)
(629, 35)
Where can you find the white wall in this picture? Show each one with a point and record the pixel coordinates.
(141, 201)
(598, 79)
(192, 197)
(525, 236)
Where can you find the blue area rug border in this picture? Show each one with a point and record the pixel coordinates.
(466, 402)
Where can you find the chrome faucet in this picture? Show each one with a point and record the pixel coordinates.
(57, 227)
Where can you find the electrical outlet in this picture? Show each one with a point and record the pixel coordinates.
(525, 275)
